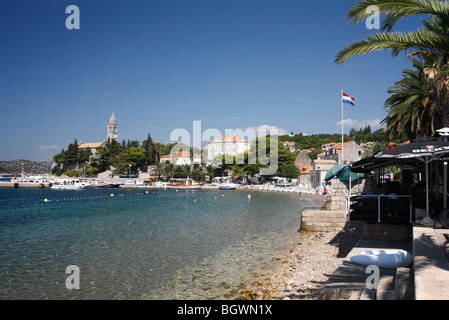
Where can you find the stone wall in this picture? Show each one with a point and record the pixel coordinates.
(332, 216)
(322, 220)
(340, 189)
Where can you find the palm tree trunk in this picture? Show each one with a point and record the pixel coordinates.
(441, 95)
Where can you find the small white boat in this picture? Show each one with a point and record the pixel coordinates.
(227, 186)
(70, 184)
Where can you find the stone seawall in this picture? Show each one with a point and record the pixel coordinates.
(322, 220)
(10, 185)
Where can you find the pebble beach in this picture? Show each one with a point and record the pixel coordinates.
(310, 262)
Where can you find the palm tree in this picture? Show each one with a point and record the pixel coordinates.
(412, 112)
(374, 147)
(159, 168)
(168, 169)
(156, 148)
(197, 173)
(433, 39)
(210, 169)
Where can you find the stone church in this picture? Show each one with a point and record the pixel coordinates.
(112, 134)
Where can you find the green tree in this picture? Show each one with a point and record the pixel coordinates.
(290, 171)
(84, 155)
(135, 156)
(72, 153)
(56, 170)
(59, 158)
(148, 145)
(286, 158)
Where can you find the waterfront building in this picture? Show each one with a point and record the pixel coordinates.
(182, 158)
(304, 178)
(352, 152)
(319, 171)
(232, 145)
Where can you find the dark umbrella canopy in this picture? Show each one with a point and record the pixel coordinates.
(409, 155)
(413, 154)
(418, 148)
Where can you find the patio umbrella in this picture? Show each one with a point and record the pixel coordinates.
(343, 173)
(334, 171)
(421, 150)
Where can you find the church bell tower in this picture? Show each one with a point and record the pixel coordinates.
(112, 128)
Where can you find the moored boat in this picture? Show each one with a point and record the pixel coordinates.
(105, 184)
(70, 184)
(227, 186)
(184, 184)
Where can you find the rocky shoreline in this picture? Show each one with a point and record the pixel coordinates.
(311, 259)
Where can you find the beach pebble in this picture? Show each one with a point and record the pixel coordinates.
(300, 275)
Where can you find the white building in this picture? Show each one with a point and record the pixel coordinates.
(182, 157)
(319, 171)
(232, 145)
(290, 145)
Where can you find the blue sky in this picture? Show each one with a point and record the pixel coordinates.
(162, 64)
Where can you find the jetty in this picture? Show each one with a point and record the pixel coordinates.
(21, 184)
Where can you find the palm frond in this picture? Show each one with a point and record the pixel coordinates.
(395, 41)
(397, 9)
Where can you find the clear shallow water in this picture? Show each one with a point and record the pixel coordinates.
(138, 245)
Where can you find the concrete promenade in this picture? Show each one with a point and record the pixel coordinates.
(430, 263)
(426, 279)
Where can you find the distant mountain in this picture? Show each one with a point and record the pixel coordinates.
(29, 167)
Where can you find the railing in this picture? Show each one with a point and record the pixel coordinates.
(379, 208)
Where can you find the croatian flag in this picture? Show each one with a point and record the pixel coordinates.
(348, 99)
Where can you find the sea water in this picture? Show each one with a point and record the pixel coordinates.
(139, 243)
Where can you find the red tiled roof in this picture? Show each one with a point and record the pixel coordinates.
(306, 169)
(84, 145)
(184, 154)
(337, 146)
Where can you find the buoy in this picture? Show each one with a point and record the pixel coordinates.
(45, 200)
(146, 191)
(112, 194)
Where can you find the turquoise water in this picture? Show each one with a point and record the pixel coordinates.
(137, 245)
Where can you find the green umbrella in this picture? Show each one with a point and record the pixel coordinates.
(334, 171)
(343, 175)
(342, 171)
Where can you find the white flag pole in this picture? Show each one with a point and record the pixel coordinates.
(342, 152)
